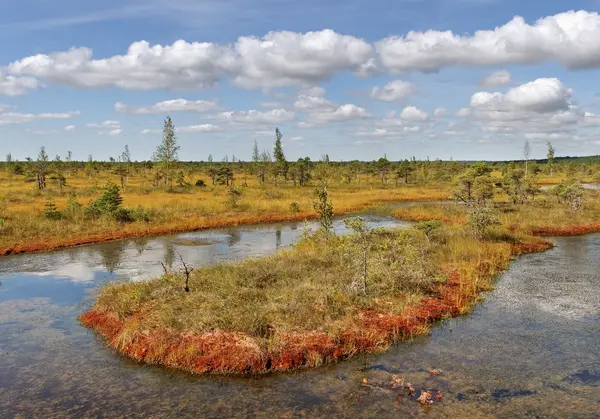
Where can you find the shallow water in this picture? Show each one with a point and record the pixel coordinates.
(530, 349)
(590, 186)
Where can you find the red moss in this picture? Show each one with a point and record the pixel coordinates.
(237, 353)
(572, 230)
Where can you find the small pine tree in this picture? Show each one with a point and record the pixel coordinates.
(324, 208)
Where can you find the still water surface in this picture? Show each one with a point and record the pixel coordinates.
(531, 349)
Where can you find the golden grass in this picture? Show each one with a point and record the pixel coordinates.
(25, 229)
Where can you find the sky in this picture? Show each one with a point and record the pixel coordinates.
(354, 79)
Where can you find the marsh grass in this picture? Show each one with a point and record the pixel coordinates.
(26, 229)
(298, 308)
(543, 216)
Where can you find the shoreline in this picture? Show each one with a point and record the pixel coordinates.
(200, 224)
(235, 353)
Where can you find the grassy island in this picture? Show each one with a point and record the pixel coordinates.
(308, 305)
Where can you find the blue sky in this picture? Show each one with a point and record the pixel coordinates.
(465, 79)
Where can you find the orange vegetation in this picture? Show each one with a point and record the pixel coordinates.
(568, 230)
(237, 353)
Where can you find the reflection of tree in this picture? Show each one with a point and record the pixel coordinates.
(140, 244)
(234, 237)
(278, 238)
(110, 255)
(576, 248)
(169, 253)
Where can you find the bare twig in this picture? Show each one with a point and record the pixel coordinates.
(164, 268)
(187, 274)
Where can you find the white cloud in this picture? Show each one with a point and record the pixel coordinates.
(463, 113)
(591, 120)
(496, 79)
(308, 103)
(13, 118)
(541, 95)
(115, 132)
(105, 125)
(70, 128)
(568, 38)
(200, 128)
(256, 117)
(151, 131)
(182, 65)
(313, 91)
(343, 113)
(412, 113)
(17, 86)
(169, 106)
(440, 112)
(278, 59)
(290, 58)
(394, 91)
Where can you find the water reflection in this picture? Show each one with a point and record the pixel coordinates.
(529, 350)
(141, 258)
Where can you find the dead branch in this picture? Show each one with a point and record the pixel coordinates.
(187, 274)
(164, 268)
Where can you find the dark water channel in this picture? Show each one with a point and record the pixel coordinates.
(530, 349)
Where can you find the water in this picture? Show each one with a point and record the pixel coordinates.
(530, 349)
(590, 186)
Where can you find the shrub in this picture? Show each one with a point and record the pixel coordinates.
(428, 227)
(481, 217)
(140, 214)
(233, 197)
(110, 204)
(294, 207)
(73, 209)
(200, 183)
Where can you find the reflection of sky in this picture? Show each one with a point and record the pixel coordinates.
(20, 287)
(140, 259)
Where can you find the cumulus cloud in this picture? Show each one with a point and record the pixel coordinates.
(591, 120)
(496, 79)
(394, 91)
(412, 113)
(308, 103)
(568, 38)
(440, 112)
(14, 118)
(17, 86)
(115, 132)
(342, 113)
(169, 106)
(70, 128)
(463, 113)
(275, 116)
(541, 95)
(289, 58)
(144, 66)
(278, 59)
